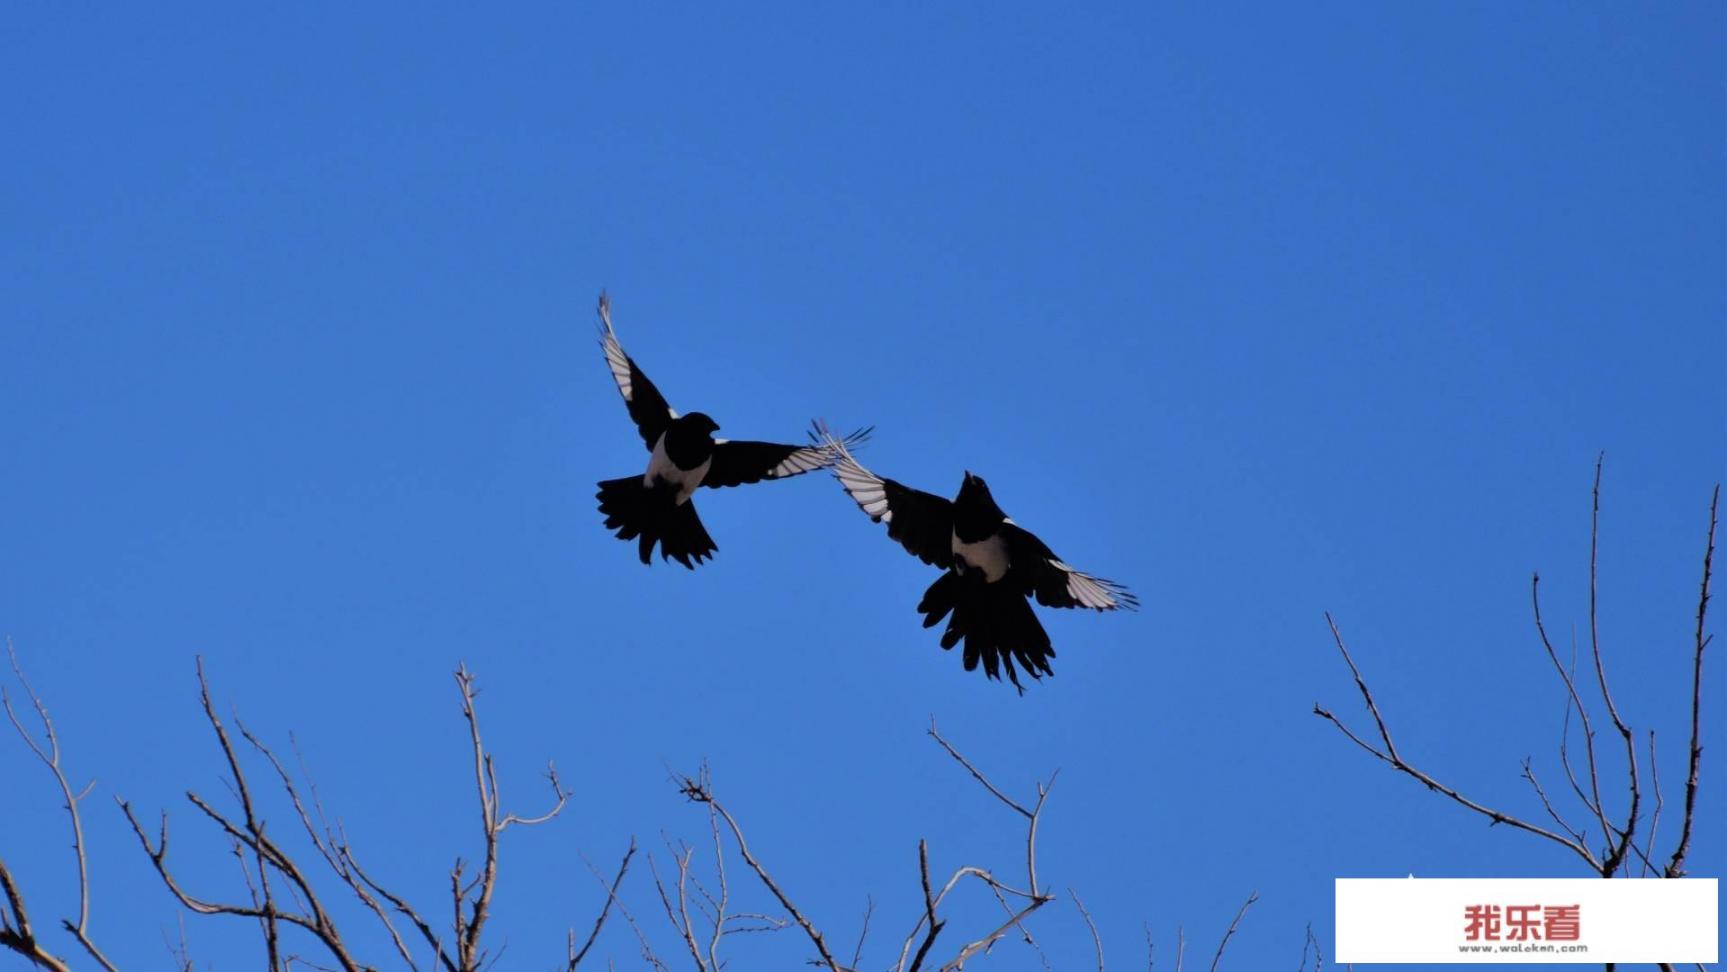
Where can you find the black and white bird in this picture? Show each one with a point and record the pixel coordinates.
(990, 567)
(655, 507)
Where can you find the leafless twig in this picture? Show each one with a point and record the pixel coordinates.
(869, 909)
(16, 932)
(1390, 755)
(1230, 932)
(700, 790)
(576, 955)
(1620, 837)
(1096, 941)
(280, 893)
(478, 896)
(1311, 944)
(1676, 865)
(251, 835)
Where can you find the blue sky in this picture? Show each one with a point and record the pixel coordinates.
(1263, 313)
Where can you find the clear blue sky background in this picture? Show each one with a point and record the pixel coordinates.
(1261, 312)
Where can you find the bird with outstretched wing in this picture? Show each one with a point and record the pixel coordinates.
(656, 508)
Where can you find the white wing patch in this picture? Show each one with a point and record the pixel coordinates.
(1095, 592)
(807, 459)
(864, 487)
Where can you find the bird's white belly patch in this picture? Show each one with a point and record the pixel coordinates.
(989, 556)
(662, 469)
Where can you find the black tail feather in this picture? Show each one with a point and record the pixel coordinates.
(654, 516)
(996, 623)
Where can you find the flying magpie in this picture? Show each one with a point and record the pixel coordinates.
(655, 507)
(990, 565)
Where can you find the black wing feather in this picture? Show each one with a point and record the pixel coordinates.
(1041, 574)
(648, 408)
(921, 522)
(737, 463)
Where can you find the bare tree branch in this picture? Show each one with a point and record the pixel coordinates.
(1096, 942)
(1622, 843)
(700, 791)
(1529, 774)
(469, 954)
(1627, 834)
(641, 938)
(933, 924)
(16, 932)
(1676, 865)
(1230, 932)
(1390, 755)
(576, 955)
(869, 909)
(933, 734)
(1648, 850)
(679, 916)
(1311, 944)
(49, 753)
(1593, 799)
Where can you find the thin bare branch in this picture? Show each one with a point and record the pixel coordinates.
(16, 932)
(869, 909)
(1676, 865)
(1024, 932)
(719, 903)
(701, 792)
(49, 754)
(576, 955)
(477, 896)
(1593, 799)
(1230, 932)
(1648, 850)
(158, 857)
(1096, 941)
(1529, 774)
(1391, 756)
(325, 841)
(1617, 848)
(1311, 944)
(253, 837)
(679, 915)
(981, 944)
(1033, 897)
(629, 919)
(930, 921)
(253, 826)
(933, 734)
(439, 955)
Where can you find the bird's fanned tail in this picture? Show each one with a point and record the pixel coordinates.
(996, 623)
(653, 516)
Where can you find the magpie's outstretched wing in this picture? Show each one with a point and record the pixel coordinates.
(1042, 574)
(736, 463)
(647, 406)
(921, 522)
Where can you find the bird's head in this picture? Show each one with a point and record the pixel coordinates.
(701, 420)
(975, 515)
(974, 495)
